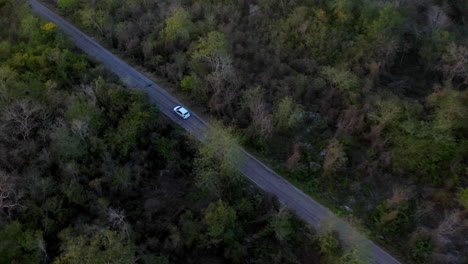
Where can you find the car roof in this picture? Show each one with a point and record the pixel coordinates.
(183, 110)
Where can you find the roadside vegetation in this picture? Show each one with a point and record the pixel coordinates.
(361, 103)
(90, 172)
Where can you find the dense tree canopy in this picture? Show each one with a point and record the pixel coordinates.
(91, 172)
(353, 100)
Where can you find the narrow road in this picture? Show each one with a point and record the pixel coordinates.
(304, 206)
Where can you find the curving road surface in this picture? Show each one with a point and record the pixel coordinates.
(307, 208)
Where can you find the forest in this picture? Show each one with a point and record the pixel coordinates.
(362, 104)
(90, 172)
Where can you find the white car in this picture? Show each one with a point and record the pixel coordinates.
(182, 112)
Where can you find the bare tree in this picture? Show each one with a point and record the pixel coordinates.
(293, 160)
(80, 128)
(8, 195)
(88, 90)
(221, 64)
(454, 62)
(41, 245)
(335, 158)
(452, 224)
(21, 118)
(437, 19)
(262, 121)
(117, 219)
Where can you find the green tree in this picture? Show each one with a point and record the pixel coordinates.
(343, 80)
(121, 179)
(329, 244)
(214, 44)
(336, 158)
(418, 150)
(387, 23)
(95, 19)
(386, 112)
(66, 145)
(215, 166)
(282, 225)
(450, 110)
(220, 220)
(5, 49)
(462, 196)
(103, 247)
(20, 245)
(195, 86)
(68, 5)
(130, 127)
(85, 113)
(288, 114)
(350, 257)
(178, 27)
(165, 147)
(190, 228)
(421, 250)
(213, 51)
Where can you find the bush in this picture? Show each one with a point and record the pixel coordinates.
(462, 196)
(68, 5)
(421, 250)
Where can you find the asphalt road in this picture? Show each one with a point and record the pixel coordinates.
(304, 206)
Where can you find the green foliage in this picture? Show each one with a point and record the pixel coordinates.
(194, 85)
(92, 18)
(350, 257)
(66, 145)
(165, 147)
(426, 155)
(189, 228)
(5, 49)
(74, 191)
(130, 127)
(462, 196)
(220, 220)
(387, 23)
(387, 112)
(29, 27)
(450, 110)
(425, 147)
(214, 44)
(336, 158)
(94, 140)
(68, 5)
(104, 246)
(115, 98)
(392, 223)
(85, 113)
(282, 226)
(344, 80)
(215, 166)
(328, 243)
(121, 179)
(18, 244)
(436, 45)
(421, 250)
(388, 57)
(151, 259)
(178, 27)
(288, 114)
